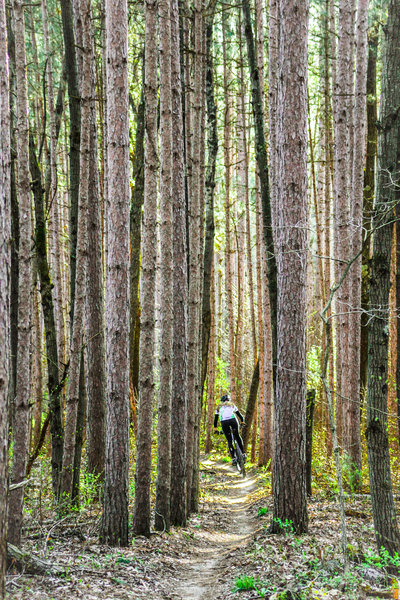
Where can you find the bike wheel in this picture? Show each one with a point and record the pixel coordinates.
(240, 460)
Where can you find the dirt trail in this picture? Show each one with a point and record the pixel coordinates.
(226, 526)
(196, 562)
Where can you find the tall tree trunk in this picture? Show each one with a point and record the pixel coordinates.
(82, 62)
(262, 163)
(211, 364)
(290, 500)
(163, 485)
(14, 222)
(261, 327)
(37, 367)
(5, 266)
(194, 298)
(243, 167)
(199, 170)
(212, 141)
(74, 102)
(114, 527)
(136, 236)
(383, 509)
(79, 433)
(267, 406)
(141, 517)
(343, 116)
(353, 418)
(52, 195)
(249, 417)
(94, 321)
(229, 232)
(266, 395)
(180, 254)
(327, 197)
(22, 392)
(369, 194)
(43, 269)
(74, 388)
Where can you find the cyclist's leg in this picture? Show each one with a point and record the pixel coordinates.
(227, 431)
(235, 429)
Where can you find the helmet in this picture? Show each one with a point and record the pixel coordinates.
(225, 398)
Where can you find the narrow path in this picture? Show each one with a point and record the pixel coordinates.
(227, 525)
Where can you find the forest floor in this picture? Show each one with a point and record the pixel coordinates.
(224, 553)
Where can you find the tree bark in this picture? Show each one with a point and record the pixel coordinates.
(262, 163)
(38, 390)
(383, 509)
(163, 485)
(136, 236)
(369, 194)
(251, 404)
(327, 117)
(290, 502)
(79, 433)
(228, 205)
(51, 184)
(74, 102)
(22, 392)
(343, 115)
(212, 141)
(94, 321)
(199, 170)
(353, 416)
(266, 394)
(211, 364)
(141, 517)
(309, 437)
(14, 222)
(114, 527)
(5, 267)
(242, 110)
(180, 255)
(53, 378)
(29, 563)
(194, 295)
(74, 388)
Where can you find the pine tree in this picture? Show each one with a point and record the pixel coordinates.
(180, 251)
(5, 261)
(114, 527)
(163, 512)
(290, 501)
(22, 395)
(141, 516)
(383, 509)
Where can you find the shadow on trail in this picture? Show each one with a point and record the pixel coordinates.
(225, 524)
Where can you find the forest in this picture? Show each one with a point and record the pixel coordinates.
(199, 198)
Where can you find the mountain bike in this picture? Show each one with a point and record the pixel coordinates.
(238, 454)
(240, 464)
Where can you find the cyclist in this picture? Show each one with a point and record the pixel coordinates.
(227, 413)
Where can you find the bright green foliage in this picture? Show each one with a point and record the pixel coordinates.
(262, 511)
(314, 368)
(286, 526)
(245, 583)
(89, 488)
(382, 560)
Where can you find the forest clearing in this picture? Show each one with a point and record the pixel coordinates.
(199, 231)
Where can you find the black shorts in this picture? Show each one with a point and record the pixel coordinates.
(227, 426)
